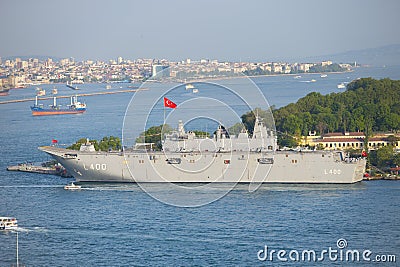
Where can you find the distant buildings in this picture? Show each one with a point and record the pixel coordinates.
(350, 140)
(34, 71)
(160, 71)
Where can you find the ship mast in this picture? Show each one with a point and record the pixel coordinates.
(54, 99)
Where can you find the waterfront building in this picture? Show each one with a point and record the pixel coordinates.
(326, 63)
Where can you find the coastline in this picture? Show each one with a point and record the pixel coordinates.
(255, 76)
(388, 178)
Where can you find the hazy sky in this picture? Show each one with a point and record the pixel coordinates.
(229, 30)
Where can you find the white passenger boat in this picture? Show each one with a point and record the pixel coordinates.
(72, 186)
(8, 223)
(189, 86)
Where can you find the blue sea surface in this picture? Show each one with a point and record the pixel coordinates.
(121, 225)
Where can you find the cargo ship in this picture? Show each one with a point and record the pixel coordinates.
(75, 107)
(186, 158)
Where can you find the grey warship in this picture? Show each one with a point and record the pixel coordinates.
(187, 158)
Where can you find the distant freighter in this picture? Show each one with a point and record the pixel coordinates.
(189, 159)
(75, 107)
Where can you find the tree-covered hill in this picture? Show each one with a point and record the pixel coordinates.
(367, 105)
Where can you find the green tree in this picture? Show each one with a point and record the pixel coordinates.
(77, 144)
(110, 143)
(367, 105)
(201, 133)
(396, 159)
(154, 135)
(385, 156)
(236, 129)
(286, 140)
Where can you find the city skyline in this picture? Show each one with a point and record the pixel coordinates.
(225, 30)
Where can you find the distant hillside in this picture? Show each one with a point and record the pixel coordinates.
(368, 105)
(385, 55)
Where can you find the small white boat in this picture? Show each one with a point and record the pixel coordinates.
(313, 80)
(195, 90)
(341, 86)
(189, 86)
(324, 75)
(108, 86)
(8, 223)
(72, 186)
(40, 92)
(297, 77)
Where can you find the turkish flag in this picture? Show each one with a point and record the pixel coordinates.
(364, 153)
(168, 103)
(54, 141)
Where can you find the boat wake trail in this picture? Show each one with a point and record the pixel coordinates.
(33, 229)
(109, 188)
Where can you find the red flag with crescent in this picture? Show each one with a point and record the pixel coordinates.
(168, 103)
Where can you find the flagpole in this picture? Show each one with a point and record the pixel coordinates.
(164, 116)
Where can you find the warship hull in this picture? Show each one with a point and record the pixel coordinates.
(206, 167)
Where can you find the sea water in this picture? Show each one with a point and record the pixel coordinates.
(121, 225)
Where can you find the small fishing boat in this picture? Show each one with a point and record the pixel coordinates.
(72, 186)
(189, 86)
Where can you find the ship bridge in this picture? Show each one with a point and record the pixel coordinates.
(262, 139)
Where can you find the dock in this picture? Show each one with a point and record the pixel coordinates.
(50, 167)
(68, 96)
(387, 177)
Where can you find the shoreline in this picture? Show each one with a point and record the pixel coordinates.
(387, 178)
(206, 78)
(255, 76)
